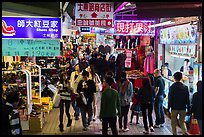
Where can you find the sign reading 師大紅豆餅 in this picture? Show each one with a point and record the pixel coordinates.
(31, 27)
(134, 27)
(94, 14)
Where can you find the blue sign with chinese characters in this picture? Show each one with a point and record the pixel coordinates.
(31, 27)
(25, 47)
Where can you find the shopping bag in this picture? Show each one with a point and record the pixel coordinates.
(194, 128)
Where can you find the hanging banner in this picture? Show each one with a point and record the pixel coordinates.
(182, 34)
(134, 27)
(128, 58)
(23, 47)
(31, 27)
(94, 14)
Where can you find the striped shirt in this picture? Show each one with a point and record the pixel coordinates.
(14, 121)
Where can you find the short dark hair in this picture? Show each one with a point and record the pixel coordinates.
(123, 75)
(85, 73)
(178, 76)
(187, 60)
(109, 80)
(110, 73)
(12, 97)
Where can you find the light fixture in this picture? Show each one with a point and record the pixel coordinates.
(162, 24)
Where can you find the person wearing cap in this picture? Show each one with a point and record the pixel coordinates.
(178, 102)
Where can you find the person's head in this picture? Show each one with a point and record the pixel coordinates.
(108, 81)
(13, 98)
(187, 61)
(85, 75)
(123, 77)
(177, 76)
(146, 82)
(157, 73)
(166, 64)
(110, 74)
(199, 86)
(78, 67)
(90, 68)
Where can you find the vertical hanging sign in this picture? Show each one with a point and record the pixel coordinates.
(94, 14)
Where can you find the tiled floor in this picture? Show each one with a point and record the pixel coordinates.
(52, 121)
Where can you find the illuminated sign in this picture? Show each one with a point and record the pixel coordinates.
(31, 27)
(25, 47)
(134, 27)
(94, 14)
(182, 34)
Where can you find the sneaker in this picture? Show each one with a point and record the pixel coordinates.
(120, 130)
(146, 132)
(85, 129)
(69, 123)
(156, 126)
(137, 123)
(151, 129)
(161, 125)
(76, 118)
(130, 123)
(126, 130)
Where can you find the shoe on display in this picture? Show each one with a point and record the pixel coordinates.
(156, 126)
(151, 129)
(126, 130)
(120, 130)
(69, 123)
(146, 132)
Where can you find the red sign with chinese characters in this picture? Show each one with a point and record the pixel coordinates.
(134, 27)
(94, 14)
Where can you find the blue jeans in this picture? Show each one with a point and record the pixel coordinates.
(76, 109)
(159, 110)
(88, 109)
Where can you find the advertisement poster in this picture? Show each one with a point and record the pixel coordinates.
(31, 27)
(94, 14)
(25, 47)
(182, 34)
(128, 58)
(134, 27)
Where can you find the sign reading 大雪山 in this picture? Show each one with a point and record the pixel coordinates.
(31, 27)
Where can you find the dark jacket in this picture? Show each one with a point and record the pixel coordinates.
(196, 106)
(159, 82)
(178, 97)
(146, 95)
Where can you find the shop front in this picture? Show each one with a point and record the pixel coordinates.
(180, 46)
(24, 40)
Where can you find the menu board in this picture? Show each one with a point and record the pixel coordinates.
(184, 50)
(182, 34)
(25, 47)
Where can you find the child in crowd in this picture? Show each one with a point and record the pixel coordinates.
(135, 106)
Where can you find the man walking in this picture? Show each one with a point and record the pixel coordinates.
(159, 86)
(110, 107)
(178, 101)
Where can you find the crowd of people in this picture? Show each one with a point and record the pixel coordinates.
(88, 82)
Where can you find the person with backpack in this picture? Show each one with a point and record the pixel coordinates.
(10, 122)
(125, 92)
(146, 96)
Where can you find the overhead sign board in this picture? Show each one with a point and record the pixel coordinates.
(94, 14)
(25, 47)
(31, 27)
(134, 27)
(182, 34)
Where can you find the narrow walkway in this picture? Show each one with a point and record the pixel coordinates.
(52, 122)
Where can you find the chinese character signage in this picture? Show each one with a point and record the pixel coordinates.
(25, 47)
(183, 50)
(134, 27)
(182, 34)
(94, 14)
(30, 27)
